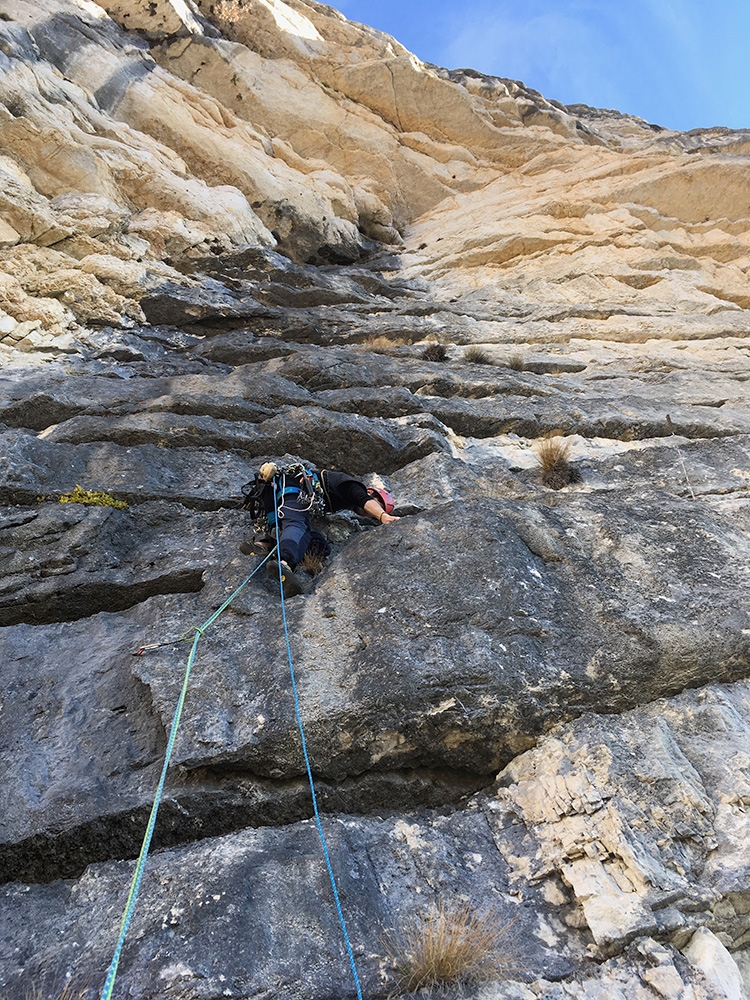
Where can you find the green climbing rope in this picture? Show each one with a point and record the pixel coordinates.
(141, 862)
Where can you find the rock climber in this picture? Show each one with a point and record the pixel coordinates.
(291, 494)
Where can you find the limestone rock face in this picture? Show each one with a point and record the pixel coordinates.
(610, 831)
(283, 124)
(239, 232)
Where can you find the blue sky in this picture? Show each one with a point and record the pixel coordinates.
(679, 63)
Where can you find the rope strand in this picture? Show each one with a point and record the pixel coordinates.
(311, 782)
(670, 425)
(141, 862)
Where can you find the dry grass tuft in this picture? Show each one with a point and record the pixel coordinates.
(70, 991)
(516, 362)
(313, 561)
(476, 356)
(382, 345)
(435, 352)
(552, 453)
(452, 944)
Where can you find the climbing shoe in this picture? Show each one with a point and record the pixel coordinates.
(256, 547)
(289, 581)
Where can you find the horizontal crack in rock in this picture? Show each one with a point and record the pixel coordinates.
(207, 804)
(83, 600)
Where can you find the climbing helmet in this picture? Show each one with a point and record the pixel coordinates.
(384, 498)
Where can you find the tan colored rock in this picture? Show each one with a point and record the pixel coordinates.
(44, 284)
(130, 279)
(641, 815)
(119, 165)
(7, 325)
(301, 119)
(302, 124)
(169, 233)
(578, 237)
(90, 215)
(155, 20)
(86, 297)
(705, 951)
(8, 235)
(22, 307)
(694, 191)
(25, 212)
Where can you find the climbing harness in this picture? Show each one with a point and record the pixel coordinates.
(141, 862)
(199, 631)
(306, 488)
(670, 425)
(310, 495)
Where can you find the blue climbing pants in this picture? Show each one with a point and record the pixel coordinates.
(294, 534)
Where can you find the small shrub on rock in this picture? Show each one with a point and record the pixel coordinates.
(435, 352)
(313, 561)
(552, 453)
(516, 362)
(92, 498)
(382, 345)
(476, 356)
(450, 945)
(70, 991)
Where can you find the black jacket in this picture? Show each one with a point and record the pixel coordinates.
(342, 492)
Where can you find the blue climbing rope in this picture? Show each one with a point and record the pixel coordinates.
(141, 863)
(308, 768)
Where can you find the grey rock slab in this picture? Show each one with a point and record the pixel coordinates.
(84, 745)
(701, 467)
(358, 323)
(210, 300)
(625, 419)
(253, 912)
(441, 478)
(69, 561)
(31, 467)
(348, 441)
(34, 400)
(70, 796)
(239, 395)
(352, 367)
(457, 637)
(277, 281)
(164, 429)
(608, 819)
(328, 439)
(484, 401)
(703, 385)
(493, 622)
(372, 401)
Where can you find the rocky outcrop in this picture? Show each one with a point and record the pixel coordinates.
(611, 831)
(292, 127)
(230, 233)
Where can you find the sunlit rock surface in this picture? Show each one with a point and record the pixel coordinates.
(230, 233)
